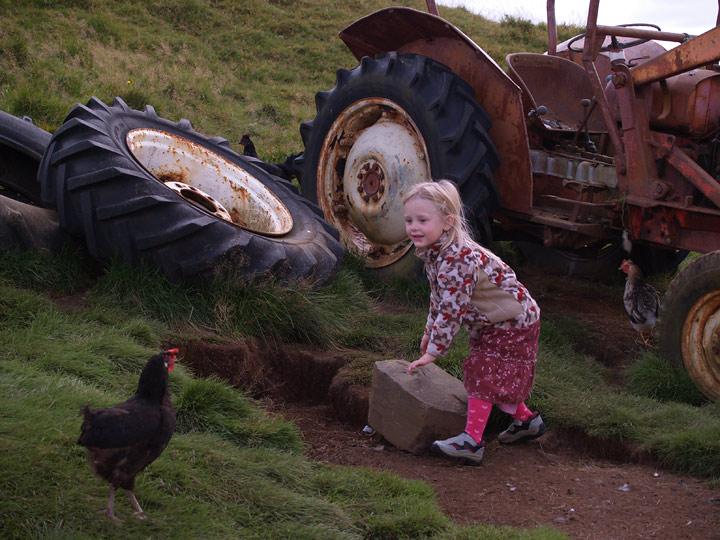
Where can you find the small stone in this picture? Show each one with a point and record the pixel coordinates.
(624, 487)
(367, 430)
(656, 475)
(379, 447)
(560, 520)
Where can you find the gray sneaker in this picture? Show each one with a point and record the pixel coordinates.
(461, 447)
(519, 431)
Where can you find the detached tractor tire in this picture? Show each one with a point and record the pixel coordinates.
(144, 189)
(689, 327)
(22, 145)
(393, 121)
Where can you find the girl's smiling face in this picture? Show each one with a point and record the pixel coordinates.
(424, 223)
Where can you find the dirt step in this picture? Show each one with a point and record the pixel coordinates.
(304, 375)
(290, 373)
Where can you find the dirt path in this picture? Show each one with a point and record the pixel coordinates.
(543, 482)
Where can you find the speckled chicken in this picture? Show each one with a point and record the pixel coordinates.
(642, 301)
(124, 439)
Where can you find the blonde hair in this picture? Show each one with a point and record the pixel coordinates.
(446, 198)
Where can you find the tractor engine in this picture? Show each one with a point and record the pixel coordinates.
(687, 106)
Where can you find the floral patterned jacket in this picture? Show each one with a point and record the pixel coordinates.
(474, 287)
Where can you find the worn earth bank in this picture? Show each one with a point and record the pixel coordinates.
(588, 490)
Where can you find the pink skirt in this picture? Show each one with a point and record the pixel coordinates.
(501, 364)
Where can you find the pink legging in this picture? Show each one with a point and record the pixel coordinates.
(479, 412)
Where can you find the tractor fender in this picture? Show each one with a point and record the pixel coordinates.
(401, 30)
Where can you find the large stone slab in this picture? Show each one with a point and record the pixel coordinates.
(412, 411)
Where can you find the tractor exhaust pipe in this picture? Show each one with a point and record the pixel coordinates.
(552, 28)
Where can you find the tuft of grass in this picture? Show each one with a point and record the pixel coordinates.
(211, 406)
(64, 273)
(294, 314)
(654, 377)
(572, 389)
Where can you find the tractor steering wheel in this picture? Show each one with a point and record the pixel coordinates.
(614, 43)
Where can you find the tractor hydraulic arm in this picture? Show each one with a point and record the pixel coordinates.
(665, 148)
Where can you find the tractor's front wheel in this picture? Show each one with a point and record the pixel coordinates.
(394, 121)
(689, 329)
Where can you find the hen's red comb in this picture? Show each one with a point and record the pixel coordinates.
(172, 351)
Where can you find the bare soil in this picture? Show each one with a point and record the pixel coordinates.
(587, 488)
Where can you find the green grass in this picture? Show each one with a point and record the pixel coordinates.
(231, 469)
(571, 391)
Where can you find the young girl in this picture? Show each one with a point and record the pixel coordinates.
(472, 286)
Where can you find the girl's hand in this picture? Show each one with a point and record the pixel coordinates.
(424, 343)
(424, 359)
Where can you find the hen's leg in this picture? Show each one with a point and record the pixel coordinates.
(110, 505)
(647, 340)
(136, 505)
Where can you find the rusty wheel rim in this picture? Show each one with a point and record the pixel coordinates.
(701, 344)
(371, 156)
(210, 182)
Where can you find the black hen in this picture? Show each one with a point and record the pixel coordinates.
(248, 146)
(122, 440)
(286, 170)
(642, 301)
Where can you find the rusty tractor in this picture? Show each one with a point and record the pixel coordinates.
(608, 142)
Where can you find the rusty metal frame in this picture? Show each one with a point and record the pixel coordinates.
(636, 147)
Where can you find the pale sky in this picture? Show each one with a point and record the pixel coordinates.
(690, 16)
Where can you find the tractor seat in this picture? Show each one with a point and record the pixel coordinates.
(558, 84)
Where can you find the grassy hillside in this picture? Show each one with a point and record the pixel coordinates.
(229, 67)
(233, 470)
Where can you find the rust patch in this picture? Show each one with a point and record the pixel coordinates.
(172, 176)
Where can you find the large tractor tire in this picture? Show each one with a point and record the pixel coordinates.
(22, 145)
(141, 188)
(689, 327)
(391, 122)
